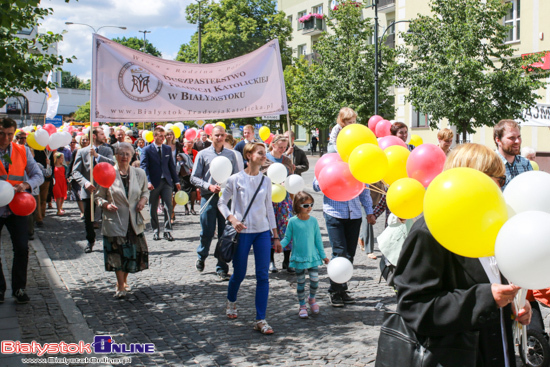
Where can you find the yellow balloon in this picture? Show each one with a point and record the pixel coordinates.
(181, 198)
(176, 130)
(16, 131)
(351, 137)
(464, 210)
(416, 140)
(221, 124)
(535, 165)
(368, 163)
(264, 133)
(148, 136)
(278, 193)
(405, 198)
(31, 142)
(397, 163)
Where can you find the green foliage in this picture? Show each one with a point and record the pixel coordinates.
(343, 75)
(83, 113)
(458, 67)
(72, 81)
(137, 44)
(24, 62)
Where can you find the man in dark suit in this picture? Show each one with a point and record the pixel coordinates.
(300, 160)
(202, 143)
(157, 162)
(81, 173)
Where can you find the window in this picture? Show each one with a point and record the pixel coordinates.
(300, 14)
(302, 50)
(419, 119)
(512, 19)
(289, 18)
(300, 133)
(317, 9)
(391, 29)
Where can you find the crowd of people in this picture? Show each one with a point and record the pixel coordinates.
(435, 297)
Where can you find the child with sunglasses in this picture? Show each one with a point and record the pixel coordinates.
(307, 252)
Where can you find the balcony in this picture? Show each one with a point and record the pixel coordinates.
(386, 6)
(313, 26)
(390, 40)
(312, 57)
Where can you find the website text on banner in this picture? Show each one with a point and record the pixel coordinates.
(130, 86)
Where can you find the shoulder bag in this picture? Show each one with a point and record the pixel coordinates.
(227, 242)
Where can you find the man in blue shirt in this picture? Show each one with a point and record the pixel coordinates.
(507, 138)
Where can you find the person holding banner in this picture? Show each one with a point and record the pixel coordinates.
(210, 189)
(176, 148)
(81, 173)
(160, 167)
(16, 161)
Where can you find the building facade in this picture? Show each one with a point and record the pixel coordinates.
(530, 34)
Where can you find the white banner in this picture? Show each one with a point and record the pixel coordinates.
(538, 115)
(131, 86)
(52, 101)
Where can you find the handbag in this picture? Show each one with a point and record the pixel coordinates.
(398, 345)
(227, 242)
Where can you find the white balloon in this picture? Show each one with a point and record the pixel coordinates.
(277, 173)
(6, 193)
(294, 184)
(220, 169)
(340, 270)
(56, 141)
(42, 137)
(67, 138)
(522, 251)
(180, 125)
(168, 126)
(529, 191)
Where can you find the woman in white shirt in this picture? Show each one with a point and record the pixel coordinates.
(258, 231)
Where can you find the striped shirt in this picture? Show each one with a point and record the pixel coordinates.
(518, 166)
(350, 209)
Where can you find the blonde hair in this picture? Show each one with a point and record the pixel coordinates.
(277, 138)
(56, 157)
(345, 115)
(445, 134)
(478, 157)
(249, 148)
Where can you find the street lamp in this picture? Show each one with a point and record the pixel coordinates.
(145, 39)
(200, 31)
(95, 31)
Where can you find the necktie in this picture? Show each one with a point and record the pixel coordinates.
(160, 155)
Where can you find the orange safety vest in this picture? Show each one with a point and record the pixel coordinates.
(17, 166)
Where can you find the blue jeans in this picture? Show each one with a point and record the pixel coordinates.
(262, 249)
(208, 227)
(343, 235)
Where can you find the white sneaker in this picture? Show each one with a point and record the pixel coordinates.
(272, 267)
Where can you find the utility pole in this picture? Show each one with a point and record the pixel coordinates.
(145, 39)
(200, 30)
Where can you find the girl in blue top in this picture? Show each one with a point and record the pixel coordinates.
(307, 252)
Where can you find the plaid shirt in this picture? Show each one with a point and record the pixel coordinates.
(519, 166)
(350, 209)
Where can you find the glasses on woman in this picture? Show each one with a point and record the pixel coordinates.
(306, 206)
(501, 180)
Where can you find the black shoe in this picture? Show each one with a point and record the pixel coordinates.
(89, 248)
(285, 265)
(199, 265)
(31, 237)
(1, 297)
(168, 236)
(223, 276)
(347, 298)
(291, 270)
(40, 224)
(156, 237)
(21, 296)
(336, 300)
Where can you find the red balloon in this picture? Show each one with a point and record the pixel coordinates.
(326, 160)
(337, 182)
(388, 141)
(208, 129)
(425, 162)
(268, 141)
(49, 128)
(80, 133)
(190, 134)
(104, 174)
(22, 204)
(199, 131)
(383, 128)
(95, 124)
(373, 121)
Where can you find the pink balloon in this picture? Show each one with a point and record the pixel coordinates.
(96, 124)
(208, 129)
(200, 131)
(49, 128)
(425, 162)
(190, 134)
(80, 133)
(326, 160)
(337, 182)
(383, 128)
(373, 121)
(268, 141)
(388, 141)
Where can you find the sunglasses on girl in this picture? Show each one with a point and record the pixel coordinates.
(306, 206)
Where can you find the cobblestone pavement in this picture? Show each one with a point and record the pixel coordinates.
(182, 311)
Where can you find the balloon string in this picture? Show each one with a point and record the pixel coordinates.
(377, 190)
(206, 204)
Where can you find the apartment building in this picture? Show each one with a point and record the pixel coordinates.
(530, 33)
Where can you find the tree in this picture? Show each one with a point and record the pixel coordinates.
(83, 113)
(72, 81)
(24, 62)
(458, 67)
(343, 73)
(137, 44)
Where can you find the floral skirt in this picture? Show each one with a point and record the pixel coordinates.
(283, 212)
(128, 254)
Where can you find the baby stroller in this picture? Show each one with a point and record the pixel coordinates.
(538, 346)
